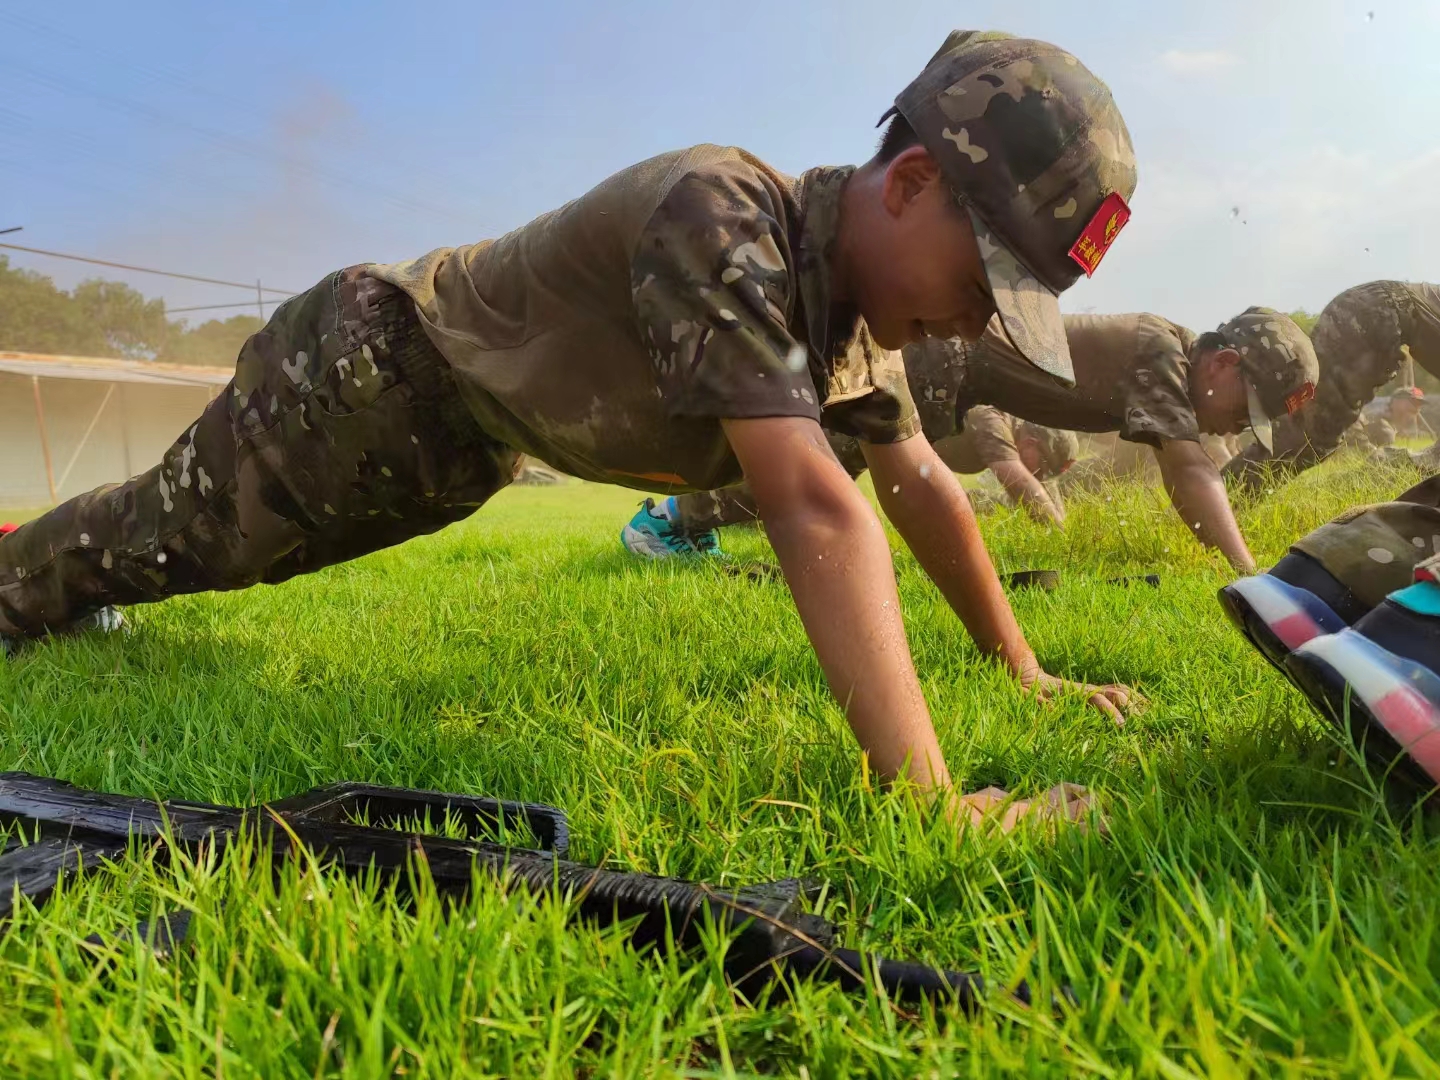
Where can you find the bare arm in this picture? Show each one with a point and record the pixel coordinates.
(1022, 486)
(1198, 495)
(837, 563)
(929, 507)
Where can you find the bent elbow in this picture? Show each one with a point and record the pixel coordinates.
(822, 512)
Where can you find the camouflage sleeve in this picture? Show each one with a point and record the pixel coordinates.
(994, 434)
(1423, 332)
(887, 413)
(711, 282)
(1155, 395)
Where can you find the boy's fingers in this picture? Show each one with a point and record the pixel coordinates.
(974, 807)
(1118, 694)
(1013, 813)
(1065, 791)
(1077, 804)
(1105, 705)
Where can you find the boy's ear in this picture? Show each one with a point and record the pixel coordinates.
(908, 178)
(1226, 357)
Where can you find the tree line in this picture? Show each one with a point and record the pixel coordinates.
(108, 318)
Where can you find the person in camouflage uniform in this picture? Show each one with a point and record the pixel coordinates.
(1351, 615)
(1149, 379)
(691, 320)
(1156, 383)
(1358, 341)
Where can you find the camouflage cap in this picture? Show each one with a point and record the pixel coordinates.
(1278, 362)
(1036, 150)
(1058, 449)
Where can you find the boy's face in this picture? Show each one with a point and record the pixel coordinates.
(1032, 456)
(916, 270)
(1404, 410)
(1222, 403)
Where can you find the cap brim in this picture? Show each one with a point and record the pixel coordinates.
(1028, 309)
(1259, 419)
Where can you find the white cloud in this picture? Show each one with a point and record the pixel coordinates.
(1197, 62)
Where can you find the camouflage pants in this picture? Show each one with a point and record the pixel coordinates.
(1374, 550)
(342, 432)
(701, 511)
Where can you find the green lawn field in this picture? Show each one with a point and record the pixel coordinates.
(1259, 905)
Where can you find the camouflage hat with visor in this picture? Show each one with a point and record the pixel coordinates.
(1278, 363)
(1059, 449)
(1036, 151)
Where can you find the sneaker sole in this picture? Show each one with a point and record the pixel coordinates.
(1395, 701)
(646, 545)
(108, 620)
(1276, 617)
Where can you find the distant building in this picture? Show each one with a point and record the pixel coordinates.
(72, 423)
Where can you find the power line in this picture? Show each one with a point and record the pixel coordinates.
(207, 307)
(147, 270)
(228, 141)
(13, 228)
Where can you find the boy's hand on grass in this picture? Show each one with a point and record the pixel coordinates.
(1113, 699)
(1063, 802)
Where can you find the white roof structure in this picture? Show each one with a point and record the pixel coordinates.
(71, 423)
(104, 369)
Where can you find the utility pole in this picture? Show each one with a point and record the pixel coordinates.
(260, 299)
(44, 440)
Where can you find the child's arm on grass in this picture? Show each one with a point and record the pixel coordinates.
(929, 508)
(837, 563)
(1198, 495)
(1022, 486)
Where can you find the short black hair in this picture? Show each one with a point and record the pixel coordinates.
(899, 136)
(1210, 340)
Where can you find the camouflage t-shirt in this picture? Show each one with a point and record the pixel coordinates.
(1422, 324)
(1357, 340)
(1132, 376)
(987, 438)
(609, 338)
(934, 371)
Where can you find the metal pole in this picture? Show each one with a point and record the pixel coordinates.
(13, 228)
(125, 429)
(88, 432)
(260, 299)
(44, 439)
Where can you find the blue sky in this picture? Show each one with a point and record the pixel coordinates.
(1287, 149)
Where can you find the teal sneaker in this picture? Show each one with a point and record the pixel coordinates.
(708, 544)
(653, 534)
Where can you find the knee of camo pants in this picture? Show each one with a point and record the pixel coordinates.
(342, 432)
(700, 511)
(1374, 550)
(848, 452)
(362, 436)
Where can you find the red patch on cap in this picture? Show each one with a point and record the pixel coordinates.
(1095, 241)
(1300, 397)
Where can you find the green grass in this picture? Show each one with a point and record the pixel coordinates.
(1258, 906)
